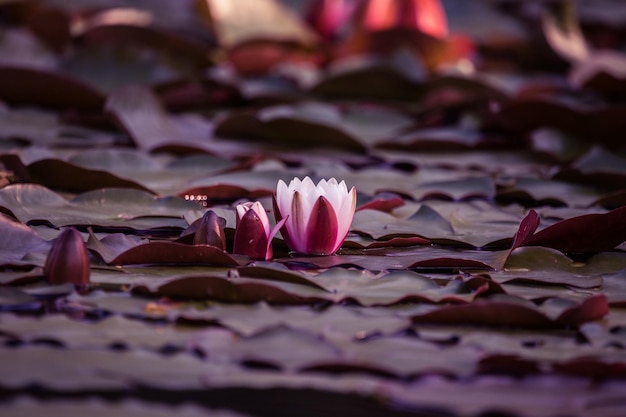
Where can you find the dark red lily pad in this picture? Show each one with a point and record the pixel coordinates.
(583, 234)
(288, 127)
(61, 175)
(229, 290)
(159, 253)
(47, 88)
(382, 204)
(371, 77)
(513, 314)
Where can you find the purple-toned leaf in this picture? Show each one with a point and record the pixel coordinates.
(143, 117)
(112, 245)
(13, 299)
(17, 240)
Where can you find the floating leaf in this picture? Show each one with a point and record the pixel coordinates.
(365, 76)
(61, 175)
(105, 208)
(172, 253)
(138, 110)
(587, 233)
(497, 312)
(337, 323)
(13, 299)
(311, 126)
(443, 139)
(47, 88)
(268, 348)
(597, 168)
(74, 334)
(135, 408)
(17, 240)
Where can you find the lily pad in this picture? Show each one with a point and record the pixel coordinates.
(17, 240)
(512, 313)
(105, 208)
(172, 253)
(310, 126)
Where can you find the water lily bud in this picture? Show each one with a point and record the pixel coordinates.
(67, 260)
(317, 217)
(253, 232)
(211, 231)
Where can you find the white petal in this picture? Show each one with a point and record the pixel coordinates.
(295, 184)
(242, 209)
(343, 187)
(346, 214)
(260, 211)
(283, 198)
(297, 222)
(335, 197)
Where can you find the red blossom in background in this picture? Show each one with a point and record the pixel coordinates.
(427, 16)
(382, 27)
(330, 17)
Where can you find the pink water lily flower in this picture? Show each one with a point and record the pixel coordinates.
(318, 217)
(253, 232)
